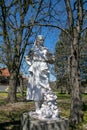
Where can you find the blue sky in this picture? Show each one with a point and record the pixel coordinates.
(51, 38)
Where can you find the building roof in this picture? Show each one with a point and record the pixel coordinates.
(4, 72)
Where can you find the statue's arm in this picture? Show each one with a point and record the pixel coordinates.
(28, 58)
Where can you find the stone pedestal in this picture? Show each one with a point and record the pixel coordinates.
(29, 122)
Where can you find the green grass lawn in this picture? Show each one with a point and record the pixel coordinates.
(12, 112)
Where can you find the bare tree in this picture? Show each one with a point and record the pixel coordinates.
(76, 12)
(15, 15)
(76, 114)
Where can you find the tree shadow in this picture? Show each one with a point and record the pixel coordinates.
(15, 125)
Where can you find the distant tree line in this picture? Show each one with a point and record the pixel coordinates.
(63, 61)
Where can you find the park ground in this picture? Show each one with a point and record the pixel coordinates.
(10, 114)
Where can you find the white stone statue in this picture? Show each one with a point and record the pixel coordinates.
(38, 88)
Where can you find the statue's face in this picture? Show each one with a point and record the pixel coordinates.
(39, 40)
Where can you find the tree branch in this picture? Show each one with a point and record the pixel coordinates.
(70, 13)
(45, 25)
(80, 15)
(83, 29)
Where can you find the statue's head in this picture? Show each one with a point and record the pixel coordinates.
(39, 40)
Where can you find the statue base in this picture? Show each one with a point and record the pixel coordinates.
(31, 121)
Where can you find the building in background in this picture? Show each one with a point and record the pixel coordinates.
(4, 75)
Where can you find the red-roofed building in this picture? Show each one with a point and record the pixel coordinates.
(4, 72)
(4, 75)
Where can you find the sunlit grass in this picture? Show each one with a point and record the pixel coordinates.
(3, 94)
(63, 96)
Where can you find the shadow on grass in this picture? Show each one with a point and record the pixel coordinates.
(84, 106)
(10, 125)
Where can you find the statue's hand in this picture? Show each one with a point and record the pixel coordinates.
(27, 59)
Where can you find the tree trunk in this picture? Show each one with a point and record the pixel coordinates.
(12, 87)
(21, 87)
(76, 114)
